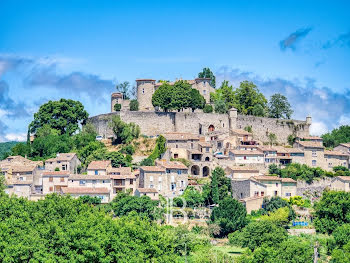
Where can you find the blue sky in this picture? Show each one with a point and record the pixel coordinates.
(81, 49)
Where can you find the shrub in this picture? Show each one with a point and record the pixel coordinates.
(134, 105)
(117, 107)
(208, 108)
(128, 149)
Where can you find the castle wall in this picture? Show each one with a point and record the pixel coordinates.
(262, 126)
(155, 123)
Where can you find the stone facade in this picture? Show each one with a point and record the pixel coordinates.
(155, 123)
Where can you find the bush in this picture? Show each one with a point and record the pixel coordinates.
(230, 215)
(342, 235)
(208, 108)
(134, 105)
(128, 149)
(259, 233)
(117, 107)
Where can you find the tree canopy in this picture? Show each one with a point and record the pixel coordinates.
(207, 73)
(64, 116)
(279, 107)
(337, 136)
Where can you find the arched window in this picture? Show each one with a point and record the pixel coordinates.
(211, 128)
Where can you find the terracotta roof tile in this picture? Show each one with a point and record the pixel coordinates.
(241, 132)
(88, 177)
(310, 144)
(152, 169)
(62, 157)
(171, 136)
(335, 153)
(171, 165)
(57, 173)
(246, 152)
(147, 190)
(120, 170)
(99, 165)
(343, 178)
(85, 190)
(267, 178)
(242, 168)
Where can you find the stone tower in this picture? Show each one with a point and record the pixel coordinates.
(232, 115)
(116, 98)
(145, 90)
(204, 87)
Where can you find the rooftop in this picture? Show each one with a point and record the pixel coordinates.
(344, 178)
(99, 165)
(147, 190)
(171, 165)
(246, 152)
(119, 170)
(170, 136)
(57, 173)
(335, 153)
(62, 157)
(88, 177)
(85, 190)
(346, 144)
(242, 168)
(310, 144)
(152, 169)
(241, 132)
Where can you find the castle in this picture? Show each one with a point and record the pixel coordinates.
(153, 122)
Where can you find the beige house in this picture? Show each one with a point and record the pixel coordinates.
(335, 158)
(63, 162)
(53, 181)
(123, 180)
(101, 192)
(313, 153)
(341, 183)
(241, 172)
(297, 155)
(246, 188)
(247, 157)
(99, 167)
(252, 203)
(20, 189)
(270, 154)
(170, 179)
(150, 192)
(90, 181)
(283, 187)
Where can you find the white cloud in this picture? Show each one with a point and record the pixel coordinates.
(318, 128)
(344, 120)
(20, 137)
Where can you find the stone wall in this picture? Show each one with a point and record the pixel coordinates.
(155, 123)
(262, 126)
(317, 186)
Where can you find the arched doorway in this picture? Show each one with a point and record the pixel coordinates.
(195, 170)
(211, 128)
(207, 159)
(206, 171)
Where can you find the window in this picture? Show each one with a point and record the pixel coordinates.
(178, 172)
(241, 195)
(94, 181)
(51, 189)
(330, 165)
(151, 178)
(50, 179)
(262, 193)
(288, 194)
(182, 184)
(64, 167)
(173, 186)
(314, 153)
(191, 145)
(256, 193)
(21, 178)
(159, 179)
(276, 184)
(204, 92)
(61, 179)
(219, 144)
(176, 156)
(96, 172)
(82, 182)
(313, 162)
(276, 193)
(245, 157)
(143, 91)
(207, 149)
(159, 187)
(176, 146)
(131, 181)
(151, 186)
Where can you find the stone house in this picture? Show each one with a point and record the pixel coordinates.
(243, 137)
(179, 143)
(241, 172)
(246, 188)
(252, 203)
(101, 192)
(335, 158)
(341, 183)
(283, 156)
(297, 155)
(343, 147)
(53, 181)
(150, 192)
(123, 180)
(270, 154)
(99, 167)
(313, 153)
(20, 189)
(247, 157)
(275, 186)
(63, 162)
(170, 179)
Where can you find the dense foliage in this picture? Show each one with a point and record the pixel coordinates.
(5, 148)
(63, 115)
(208, 108)
(230, 215)
(134, 105)
(218, 188)
(177, 97)
(332, 210)
(117, 107)
(259, 233)
(279, 107)
(191, 196)
(124, 132)
(337, 136)
(298, 171)
(158, 150)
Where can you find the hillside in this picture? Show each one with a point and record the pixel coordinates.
(6, 147)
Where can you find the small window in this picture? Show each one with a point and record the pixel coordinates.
(178, 172)
(131, 181)
(262, 193)
(276, 184)
(288, 194)
(313, 162)
(62, 179)
(50, 179)
(94, 181)
(151, 178)
(143, 91)
(245, 157)
(207, 149)
(82, 182)
(96, 172)
(256, 193)
(51, 189)
(204, 92)
(314, 153)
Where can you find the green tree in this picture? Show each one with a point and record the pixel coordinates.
(291, 139)
(224, 93)
(20, 148)
(63, 115)
(220, 106)
(247, 97)
(181, 95)
(332, 210)
(197, 100)
(273, 169)
(215, 188)
(117, 107)
(124, 88)
(163, 97)
(342, 235)
(134, 105)
(230, 215)
(279, 107)
(124, 132)
(207, 73)
(337, 136)
(118, 159)
(259, 233)
(208, 108)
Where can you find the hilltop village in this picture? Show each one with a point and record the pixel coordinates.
(196, 143)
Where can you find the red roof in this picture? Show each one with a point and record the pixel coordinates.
(85, 190)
